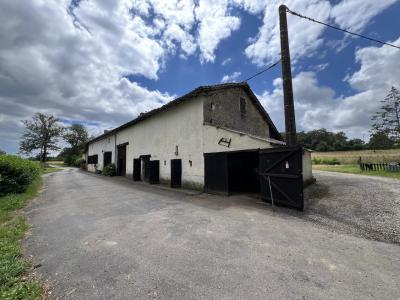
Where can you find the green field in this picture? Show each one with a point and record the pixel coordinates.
(351, 157)
(355, 169)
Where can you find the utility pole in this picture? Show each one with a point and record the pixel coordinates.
(290, 120)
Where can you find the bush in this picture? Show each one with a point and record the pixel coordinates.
(325, 161)
(70, 160)
(16, 174)
(109, 170)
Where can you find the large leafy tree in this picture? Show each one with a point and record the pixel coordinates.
(41, 135)
(387, 119)
(380, 140)
(76, 135)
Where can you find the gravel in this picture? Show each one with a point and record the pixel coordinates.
(364, 206)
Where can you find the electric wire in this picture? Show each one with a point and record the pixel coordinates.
(341, 29)
(265, 70)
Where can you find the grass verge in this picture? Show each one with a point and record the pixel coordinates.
(355, 169)
(13, 284)
(50, 170)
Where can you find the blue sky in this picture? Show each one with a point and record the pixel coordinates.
(84, 60)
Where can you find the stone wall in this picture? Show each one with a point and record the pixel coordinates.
(222, 109)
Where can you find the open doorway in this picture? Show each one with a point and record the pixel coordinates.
(232, 172)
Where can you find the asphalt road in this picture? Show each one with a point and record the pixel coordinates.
(109, 238)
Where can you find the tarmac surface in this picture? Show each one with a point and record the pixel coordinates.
(110, 238)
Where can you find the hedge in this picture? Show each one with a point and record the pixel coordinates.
(16, 174)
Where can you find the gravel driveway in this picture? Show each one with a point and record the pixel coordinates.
(109, 238)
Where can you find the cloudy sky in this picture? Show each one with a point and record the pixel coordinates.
(101, 62)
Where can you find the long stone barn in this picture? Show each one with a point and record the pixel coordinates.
(174, 144)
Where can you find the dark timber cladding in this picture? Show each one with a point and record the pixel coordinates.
(290, 122)
(281, 176)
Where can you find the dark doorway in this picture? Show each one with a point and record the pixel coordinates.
(281, 173)
(176, 173)
(243, 172)
(216, 173)
(121, 167)
(137, 169)
(231, 172)
(145, 167)
(106, 158)
(154, 171)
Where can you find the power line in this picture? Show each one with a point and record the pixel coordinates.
(266, 69)
(340, 29)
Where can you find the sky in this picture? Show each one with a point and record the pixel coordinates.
(102, 62)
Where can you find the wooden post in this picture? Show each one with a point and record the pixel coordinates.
(290, 121)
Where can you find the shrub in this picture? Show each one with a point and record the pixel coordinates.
(16, 173)
(70, 160)
(109, 170)
(325, 161)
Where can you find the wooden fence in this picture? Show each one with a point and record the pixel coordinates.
(390, 167)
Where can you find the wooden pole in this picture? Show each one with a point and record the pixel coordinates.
(290, 121)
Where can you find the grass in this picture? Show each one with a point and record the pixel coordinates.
(50, 170)
(57, 162)
(355, 169)
(351, 157)
(13, 268)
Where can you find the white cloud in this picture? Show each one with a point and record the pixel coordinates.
(74, 73)
(356, 14)
(226, 61)
(306, 37)
(231, 78)
(215, 24)
(318, 106)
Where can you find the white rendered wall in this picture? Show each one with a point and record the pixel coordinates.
(159, 135)
(212, 135)
(99, 147)
(307, 166)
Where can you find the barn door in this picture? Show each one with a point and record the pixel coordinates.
(154, 171)
(136, 169)
(176, 173)
(107, 158)
(121, 164)
(281, 176)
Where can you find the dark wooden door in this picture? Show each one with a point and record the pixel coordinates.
(106, 158)
(137, 169)
(176, 173)
(281, 176)
(216, 173)
(154, 171)
(121, 167)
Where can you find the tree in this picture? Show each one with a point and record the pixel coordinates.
(380, 140)
(2, 152)
(41, 134)
(387, 120)
(76, 135)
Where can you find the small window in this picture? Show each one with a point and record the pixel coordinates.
(242, 106)
(212, 106)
